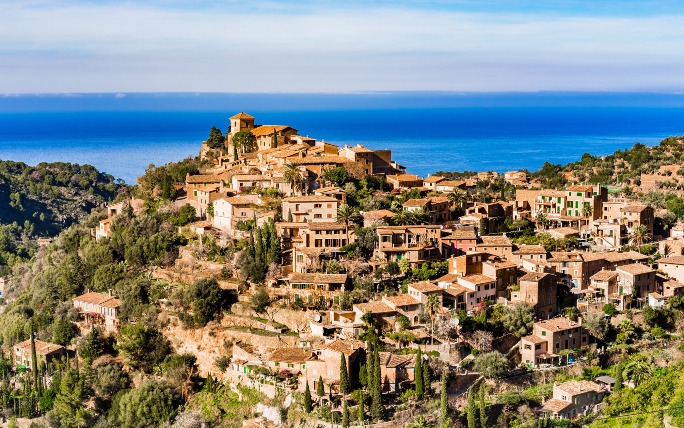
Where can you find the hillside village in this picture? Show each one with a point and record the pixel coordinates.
(327, 285)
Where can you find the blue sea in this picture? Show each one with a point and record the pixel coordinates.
(122, 134)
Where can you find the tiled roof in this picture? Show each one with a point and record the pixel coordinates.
(450, 277)
(325, 159)
(456, 290)
(575, 387)
(326, 225)
(290, 355)
(238, 200)
(360, 149)
(534, 339)
(451, 183)
(478, 279)
(565, 256)
(613, 256)
(565, 231)
(417, 202)
(433, 179)
(580, 188)
(375, 307)
(424, 287)
(554, 405)
(203, 178)
(318, 278)
(533, 276)
(501, 241)
(378, 214)
(636, 269)
(346, 347)
(402, 300)
(268, 129)
(94, 298)
(633, 208)
(390, 360)
(500, 264)
(310, 198)
(404, 177)
(242, 115)
(461, 234)
(42, 348)
(674, 260)
(530, 249)
(604, 275)
(558, 324)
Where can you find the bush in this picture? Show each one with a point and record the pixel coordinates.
(143, 346)
(609, 309)
(152, 404)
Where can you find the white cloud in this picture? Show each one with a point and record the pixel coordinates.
(127, 47)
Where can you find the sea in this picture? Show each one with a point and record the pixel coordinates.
(122, 134)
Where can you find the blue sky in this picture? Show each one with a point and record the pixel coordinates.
(62, 46)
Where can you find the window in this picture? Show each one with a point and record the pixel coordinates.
(543, 333)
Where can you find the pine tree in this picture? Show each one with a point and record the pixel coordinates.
(361, 412)
(482, 406)
(618, 378)
(427, 385)
(307, 399)
(320, 388)
(471, 410)
(444, 399)
(345, 415)
(418, 374)
(344, 376)
(376, 403)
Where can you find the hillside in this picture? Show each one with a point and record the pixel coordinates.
(51, 196)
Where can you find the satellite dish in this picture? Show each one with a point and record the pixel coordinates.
(457, 321)
(317, 318)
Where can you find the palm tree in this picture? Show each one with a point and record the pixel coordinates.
(542, 220)
(293, 176)
(457, 198)
(587, 211)
(432, 305)
(638, 370)
(347, 214)
(403, 218)
(639, 236)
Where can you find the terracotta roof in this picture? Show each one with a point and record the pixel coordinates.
(558, 324)
(253, 177)
(451, 183)
(564, 231)
(613, 256)
(575, 387)
(42, 348)
(565, 256)
(375, 307)
(461, 234)
(500, 264)
(501, 241)
(636, 269)
(378, 214)
(310, 198)
(657, 296)
(238, 200)
(111, 303)
(534, 339)
(633, 208)
(478, 279)
(433, 179)
(552, 193)
(268, 129)
(242, 115)
(324, 159)
(530, 249)
(346, 347)
(404, 177)
(318, 278)
(456, 290)
(326, 225)
(425, 287)
(390, 360)
(554, 405)
(94, 298)
(290, 355)
(604, 275)
(360, 149)
(450, 277)
(674, 260)
(417, 202)
(402, 300)
(533, 276)
(203, 178)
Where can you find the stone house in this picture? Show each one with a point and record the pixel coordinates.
(404, 181)
(417, 244)
(385, 316)
(406, 305)
(539, 290)
(313, 287)
(528, 252)
(310, 208)
(396, 371)
(636, 279)
(288, 361)
(431, 182)
(99, 308)
(231, 210)
(673, 266)
(548, 338)
(45, 352)
(377, 218)
(325, 363)
(459, 242)
(572, 399)
(497, 245)
(437, 208)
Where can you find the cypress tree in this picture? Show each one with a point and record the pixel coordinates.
(618, 378)
(370, 371)
(344, 376)
(275, 138)
(345, 415)
(289, 216)
(418, 374)
(444, 399)
(427, 385)
(361, 412)
(482, 406)
(34, 358)
(320, 389)
(307, 399)
(376, 403)
(471, 411)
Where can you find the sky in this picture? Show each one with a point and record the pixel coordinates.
(94, 46)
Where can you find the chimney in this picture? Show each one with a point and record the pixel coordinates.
(110, 292)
